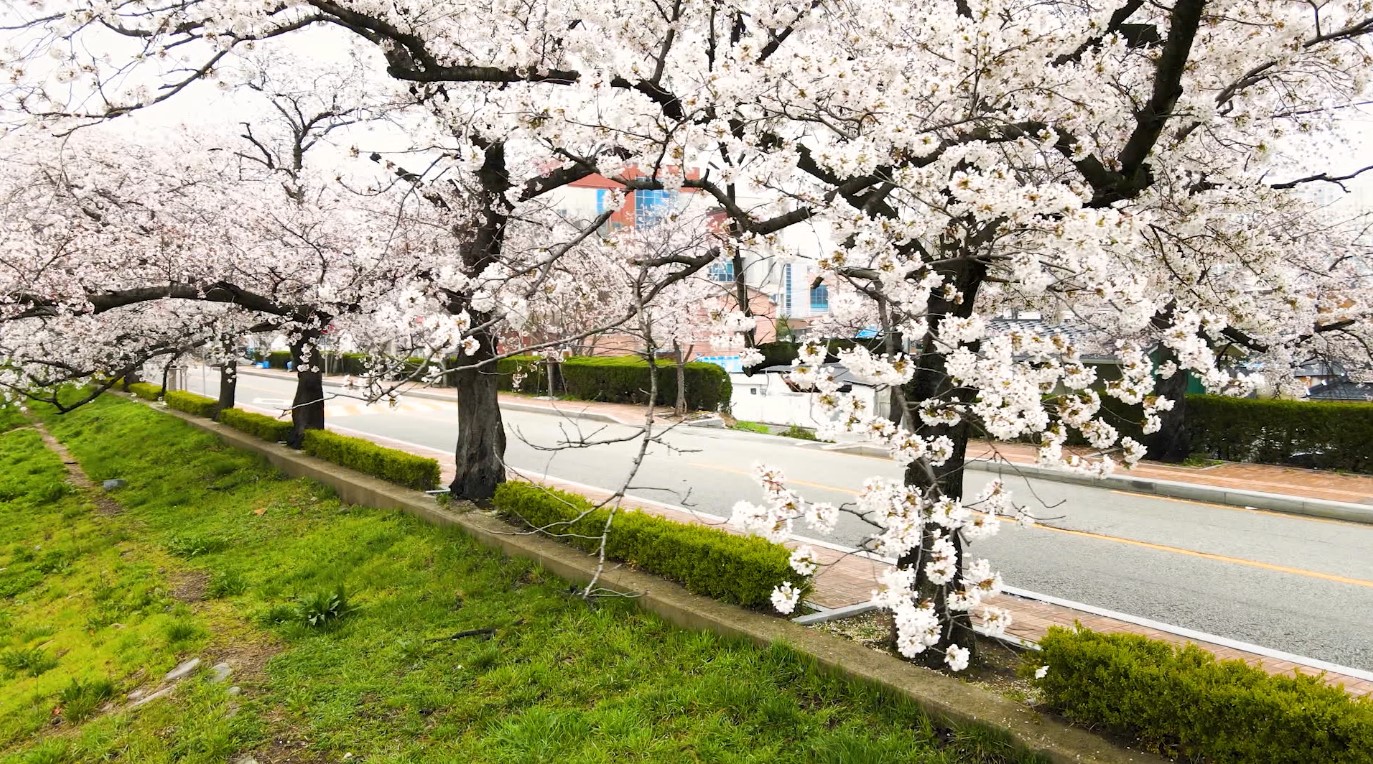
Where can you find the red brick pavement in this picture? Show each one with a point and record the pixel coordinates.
(1264, 478)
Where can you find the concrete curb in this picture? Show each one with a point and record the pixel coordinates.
(1291, 505)
(948, 701)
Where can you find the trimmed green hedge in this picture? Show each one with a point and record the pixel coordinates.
(277, 359)
(622, 379)
(196, 405)
(145, 390)
(365, 456)
(1271, 431)
(1181, 701)
(742, 570)
(257, 425)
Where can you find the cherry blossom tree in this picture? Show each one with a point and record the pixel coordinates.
(1135, 165)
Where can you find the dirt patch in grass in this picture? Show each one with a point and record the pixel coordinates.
(995, 668)
(76, 476)
(190, 585)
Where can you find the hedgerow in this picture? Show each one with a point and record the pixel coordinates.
(1272, 431)
(742, 570)
(389, 464)
(146, 391)
(257, 425)
(1183, 702)
(621, 379)
(196, 405)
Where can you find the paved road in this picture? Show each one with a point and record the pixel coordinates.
(1302, 585)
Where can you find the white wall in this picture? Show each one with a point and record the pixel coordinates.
(766, 398)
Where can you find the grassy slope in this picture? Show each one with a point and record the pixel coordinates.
(560, 681)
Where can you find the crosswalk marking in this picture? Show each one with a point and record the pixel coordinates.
(343, 407)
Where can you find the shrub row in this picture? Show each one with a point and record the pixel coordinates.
(257, 425)
(365, 456)
(276, 359)
(1271, 431)
(1183, 702)
(742, 570)
(145, 390)
(621, 379)
(354, 364)
(196, 405)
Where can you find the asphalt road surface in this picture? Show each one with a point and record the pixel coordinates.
(1301, 585)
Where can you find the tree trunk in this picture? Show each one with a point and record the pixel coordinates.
(742, 296)
(480, 453)
(931, 381)
(946, 482)
(680, 409)
(307, 408)
(1170, 443)
(228, 386)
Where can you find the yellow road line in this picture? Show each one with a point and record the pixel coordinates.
(1119, 540)
(1217, 557)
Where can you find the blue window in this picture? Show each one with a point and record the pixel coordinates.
(786, 290)
(819, 298)
(722, 271)
(604, 197)
(651, 207)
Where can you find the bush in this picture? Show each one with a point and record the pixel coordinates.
(622, 379)
(394, 466)
(1272, 431)
(742, 570)
(780, 353)
(195, 405)
(146, 390)
(1181, 701)
(277, 359)
(798, 432)
(257, 425)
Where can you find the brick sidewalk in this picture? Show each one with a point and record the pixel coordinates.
(1264, 478)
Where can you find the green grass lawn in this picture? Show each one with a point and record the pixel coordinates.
(216, 556)
(740, 424)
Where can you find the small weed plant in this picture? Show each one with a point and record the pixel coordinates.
(324, 609)
(27, 660)
(80, 699)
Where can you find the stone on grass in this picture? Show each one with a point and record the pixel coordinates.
(182, 671)
(112, 484)
(221, 672)
(162, 693)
